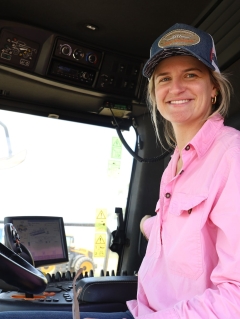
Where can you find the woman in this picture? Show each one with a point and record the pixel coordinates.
(192, 263)
(191, 267)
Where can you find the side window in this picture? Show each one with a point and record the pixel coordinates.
(81, 172)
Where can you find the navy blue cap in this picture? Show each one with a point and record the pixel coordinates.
(182, 39)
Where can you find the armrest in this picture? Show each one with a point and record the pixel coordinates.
(107, 289)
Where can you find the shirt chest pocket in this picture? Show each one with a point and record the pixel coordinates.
(181, 235)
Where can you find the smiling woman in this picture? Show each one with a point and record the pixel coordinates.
(192, 246)
(176, 76)
(183, 91)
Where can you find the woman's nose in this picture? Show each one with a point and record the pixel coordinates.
(176, 86)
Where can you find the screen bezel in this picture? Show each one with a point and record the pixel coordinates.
(40, 263)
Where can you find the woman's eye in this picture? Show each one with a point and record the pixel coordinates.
(164, 79)
(191, 75)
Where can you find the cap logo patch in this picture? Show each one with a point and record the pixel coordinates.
(179, 37)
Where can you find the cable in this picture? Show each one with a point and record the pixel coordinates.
(138, 158)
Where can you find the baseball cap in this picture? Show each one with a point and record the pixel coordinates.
(182, 39)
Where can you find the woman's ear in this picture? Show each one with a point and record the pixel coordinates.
(215, 92)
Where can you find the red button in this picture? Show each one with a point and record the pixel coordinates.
(168, 195)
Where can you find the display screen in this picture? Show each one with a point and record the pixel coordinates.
(67, 70)
(44, 237)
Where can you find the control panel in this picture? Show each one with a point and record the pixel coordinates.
(119, 75)
(74, 63)
(58, 294)
(77, 53)
(18, 51)
(72, 73)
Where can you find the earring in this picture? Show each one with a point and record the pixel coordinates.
(214, 99)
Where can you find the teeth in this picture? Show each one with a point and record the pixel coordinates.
(179, 101)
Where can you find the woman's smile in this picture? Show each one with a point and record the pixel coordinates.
(179, 102)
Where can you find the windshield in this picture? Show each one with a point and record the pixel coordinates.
(51, 167)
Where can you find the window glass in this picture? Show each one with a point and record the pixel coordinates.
(51, 167)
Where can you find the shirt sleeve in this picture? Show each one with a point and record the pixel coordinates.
(222, 300)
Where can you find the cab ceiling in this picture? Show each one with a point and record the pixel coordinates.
(126, 27)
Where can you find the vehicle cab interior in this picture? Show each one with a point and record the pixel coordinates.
(80, 163)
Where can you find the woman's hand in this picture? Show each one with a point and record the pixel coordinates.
(141, 224)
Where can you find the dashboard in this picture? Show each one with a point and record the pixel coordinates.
(41, 241)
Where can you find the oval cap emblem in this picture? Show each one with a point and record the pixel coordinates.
(179, 37)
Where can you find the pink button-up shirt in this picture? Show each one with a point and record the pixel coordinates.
(191, 269)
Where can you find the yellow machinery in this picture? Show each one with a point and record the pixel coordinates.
(78, 258)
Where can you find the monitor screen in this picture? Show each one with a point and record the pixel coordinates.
(44, 237)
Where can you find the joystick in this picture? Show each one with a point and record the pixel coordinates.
(16, 271)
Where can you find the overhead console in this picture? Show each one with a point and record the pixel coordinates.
(51, 56)
(86, 67)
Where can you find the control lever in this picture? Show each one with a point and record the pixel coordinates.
(118, 236)
(16, 271)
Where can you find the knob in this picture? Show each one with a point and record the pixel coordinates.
(78, 54)
(66, 49)
(92, 58)
(68, 275)
(80, 276)
(85, 75)
(112, 273)
(91, 273)
(49, 278)
(58, 276)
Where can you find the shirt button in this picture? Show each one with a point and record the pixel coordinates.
(189, 211)
(187, 148)
(168, 195)
(181, 172)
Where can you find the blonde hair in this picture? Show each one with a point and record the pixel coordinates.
(221, 106)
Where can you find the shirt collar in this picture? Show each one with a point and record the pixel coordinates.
(207, 134)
